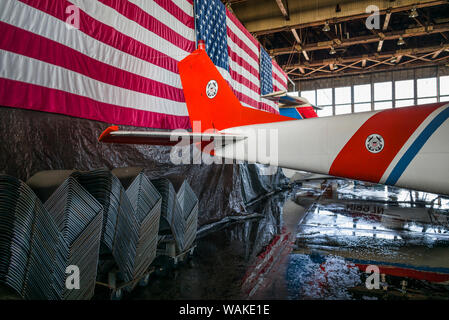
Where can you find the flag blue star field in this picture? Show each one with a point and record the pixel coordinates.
(211, 27)
(237, 54)
(266, 73)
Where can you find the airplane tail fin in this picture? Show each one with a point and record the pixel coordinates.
(210, 99)
(211, 104)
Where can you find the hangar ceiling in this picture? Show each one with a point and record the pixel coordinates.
(324, 38)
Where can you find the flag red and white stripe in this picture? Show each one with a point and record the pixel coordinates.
(279, 78)
(119, 67)
(244, 62)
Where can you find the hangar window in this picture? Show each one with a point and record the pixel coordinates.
(383, 105)
(444, 88)
(362, 93)
(324, 97)
(325, 100)
(362, 98)
(404, 93)
(342, 109)
(343, 100)
(325, 112)
(343, 95)
(379, 95)
(427, 90)
(383, 95)
(309, 95)
(362, 107)
(427, 100)
(404, 103)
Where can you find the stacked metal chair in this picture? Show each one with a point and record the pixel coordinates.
(171, 221)
(120, 230)
(188, 202)
(79, 218)
(146, 202)
(88, 213)
(30, 243)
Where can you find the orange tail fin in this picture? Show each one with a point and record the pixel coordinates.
(210, 99)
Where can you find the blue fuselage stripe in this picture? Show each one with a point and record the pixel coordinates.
(416, 146)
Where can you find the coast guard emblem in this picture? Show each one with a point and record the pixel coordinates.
(211, 89)
(375, 143)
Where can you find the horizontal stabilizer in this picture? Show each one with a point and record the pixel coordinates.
(164, 138)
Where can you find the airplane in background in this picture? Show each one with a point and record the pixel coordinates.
(291, 106)
(404, 147)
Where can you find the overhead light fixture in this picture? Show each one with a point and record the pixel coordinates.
(401, 41)
(332, 51)
(413, 13)
(326, 27)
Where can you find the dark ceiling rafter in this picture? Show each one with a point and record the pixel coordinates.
(284, 8)
(392, 35)
(364, 64)
(404, 38)
(337, 20)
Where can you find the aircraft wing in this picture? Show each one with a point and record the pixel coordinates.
(166, 138)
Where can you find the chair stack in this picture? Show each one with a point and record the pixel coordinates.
(79, 218)
(88, 213)
(171, 221)
(30, 243)
(120, 228)
(99, 184)
(188, 202)
(146, 202)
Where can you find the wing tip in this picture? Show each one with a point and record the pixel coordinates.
(106, 133)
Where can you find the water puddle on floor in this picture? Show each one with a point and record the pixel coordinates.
(353, 226)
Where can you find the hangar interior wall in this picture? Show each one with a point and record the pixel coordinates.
(396, 75)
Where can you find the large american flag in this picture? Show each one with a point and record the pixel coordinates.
(120, 66)
(238, 55)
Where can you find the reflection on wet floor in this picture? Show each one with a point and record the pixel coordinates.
(316, 242)
(351, 226)
(221, 260)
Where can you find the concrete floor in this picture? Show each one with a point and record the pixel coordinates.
(315, 243)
